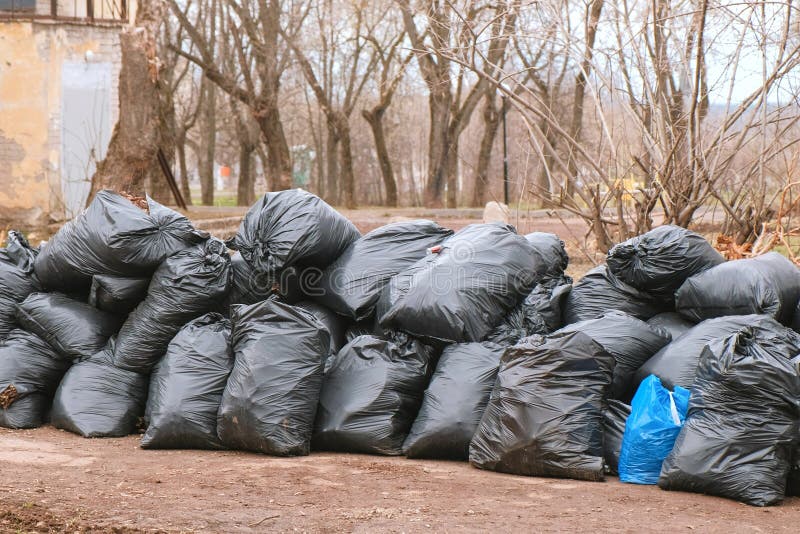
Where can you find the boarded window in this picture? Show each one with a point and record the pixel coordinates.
(24, 6)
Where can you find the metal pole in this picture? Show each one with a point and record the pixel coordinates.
(505, 152)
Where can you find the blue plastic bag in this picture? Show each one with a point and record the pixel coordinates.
(657, 416)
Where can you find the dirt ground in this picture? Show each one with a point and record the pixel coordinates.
(53, 481)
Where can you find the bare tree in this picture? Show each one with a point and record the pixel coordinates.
(208, 142)
(136, 137)
(450, 32)
(690, 154)
(655, 142)
(157, 185)
(248, 136)
(543, 64)
(338, 79)
(255, 29)
(592, 18)
(392, 69)
(180, 95)
(624, 114)
(491, 121)
(495, 58)
(187, 110)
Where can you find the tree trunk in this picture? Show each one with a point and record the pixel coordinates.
(331, 166)
(576, 123)
(452, 172)
(346, 163)
(245, 188)
(208, 141)
(280, 159)
(543, 190)
(134, 143)
(374, 118)
(602, 240)
(319, 161)
(263, 157)
(180, 149)
(438, 146)
(159, 188)
(491, 120)
(248, 134)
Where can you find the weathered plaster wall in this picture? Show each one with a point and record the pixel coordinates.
(31, 55)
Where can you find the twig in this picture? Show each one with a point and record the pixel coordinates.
(259, 522)
(582, 248)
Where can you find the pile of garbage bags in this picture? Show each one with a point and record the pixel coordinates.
(666, 364)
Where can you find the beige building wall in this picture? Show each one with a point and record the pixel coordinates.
(32, 55)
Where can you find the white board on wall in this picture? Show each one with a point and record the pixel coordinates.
(85, 127)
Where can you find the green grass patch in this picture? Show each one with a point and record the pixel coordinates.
(222, 199)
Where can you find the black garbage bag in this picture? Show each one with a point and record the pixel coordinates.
(96, 399)
(18, 251)
(540, 312)
(186, 387)
(293, 227)
(362, 328)
(614, 418)
(551, 251)
(631, 341)
(334, 323)
(600, 291)
(271, 396)
(454, 401)
(29, 374)
(661, 260)
(352, 284)
(793, 481)
(768, 284)
(17, 280)
(796, 319)
(511, 329)
(676, 363)
(113, 237)
(545, 414)
(465, 289)
(741, 427)
(672, 322)
(117, 294)
(75, 329)
(371, 394)
(544, 306)
(187, 285)
(249, 286)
